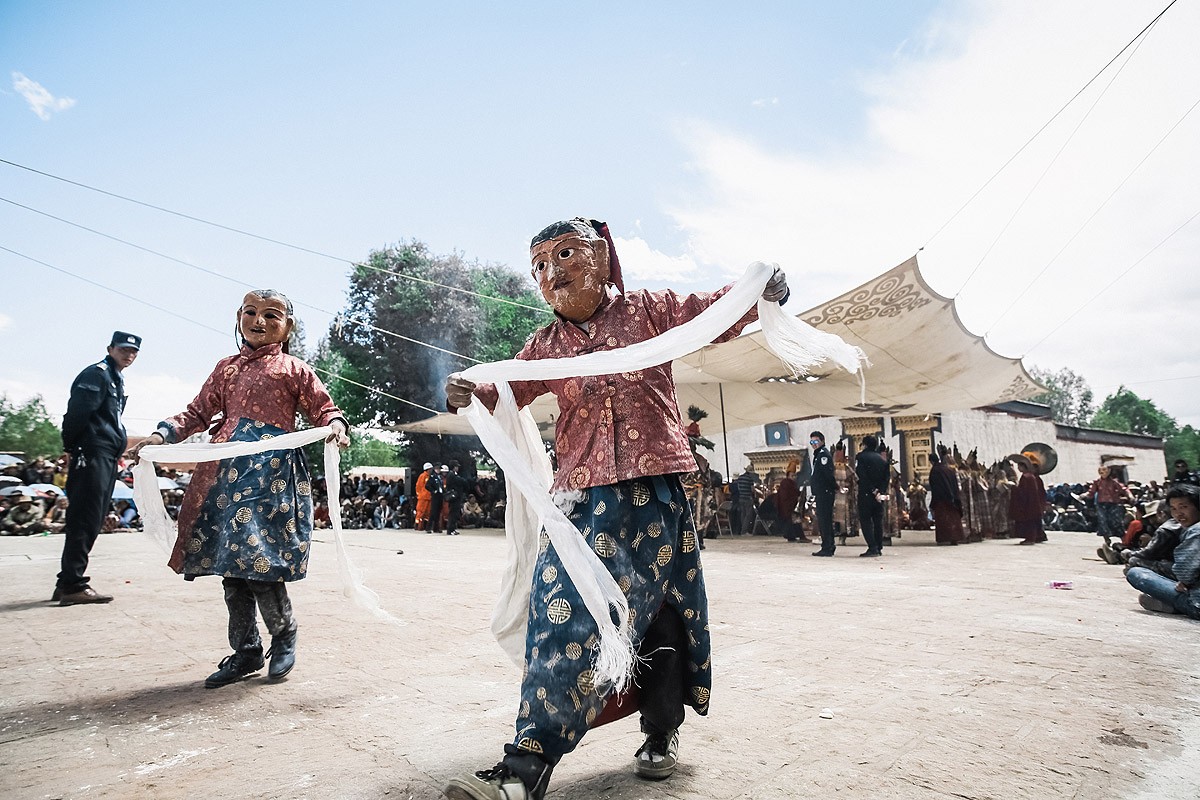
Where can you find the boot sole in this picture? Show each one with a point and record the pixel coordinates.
(653, 773)
(280, 676)
(209, 685)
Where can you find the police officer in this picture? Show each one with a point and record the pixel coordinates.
(824, 487)
(94, 439)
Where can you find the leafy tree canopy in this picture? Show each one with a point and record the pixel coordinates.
(27, 429)
(1070, 398)
(395, 292)
(1125, 411)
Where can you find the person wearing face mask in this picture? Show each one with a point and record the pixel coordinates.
(249, 519)
(824, 489)
(622, 449)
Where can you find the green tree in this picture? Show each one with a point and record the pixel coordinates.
(1070, 398)
(1126, 412)
(455, 321)
(367, 451)
(27, 429)
(1186, 445)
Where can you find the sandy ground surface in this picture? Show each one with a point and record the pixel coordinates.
(949, 672)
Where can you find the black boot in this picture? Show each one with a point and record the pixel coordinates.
(235, 667)
(283, 654)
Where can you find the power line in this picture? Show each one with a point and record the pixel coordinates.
(1153, 380)
(1047, 124)
(270, 240)
(1110, 285)
(1087, 221)
(222, 276)
(206, 326)
(1049, 166)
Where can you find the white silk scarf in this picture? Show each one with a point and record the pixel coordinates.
(511, 438)
(159, 526)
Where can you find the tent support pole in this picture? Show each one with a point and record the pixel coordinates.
(724, 434)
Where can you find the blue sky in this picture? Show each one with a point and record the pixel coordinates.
(834, 138)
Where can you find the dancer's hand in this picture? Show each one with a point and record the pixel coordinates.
(776, 289)
(339, 434)
(459, 391)
(132, 453)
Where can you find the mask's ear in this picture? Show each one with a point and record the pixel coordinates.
(603, 258)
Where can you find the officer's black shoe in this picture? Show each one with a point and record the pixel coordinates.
(823, 553)
(235, 667)
(283, 654)
(54, 598)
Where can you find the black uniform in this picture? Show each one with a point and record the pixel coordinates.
(873, 477)
(95, 438)
(824, 489)
(457, 489)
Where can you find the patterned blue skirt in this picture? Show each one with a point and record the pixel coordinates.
(643, 531)
(256, 521)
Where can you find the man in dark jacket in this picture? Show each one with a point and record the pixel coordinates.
(93, 438)
(457, 488)
(873, 477)
(824, 489)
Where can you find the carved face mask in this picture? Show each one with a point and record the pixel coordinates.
(572, 274)
(264, 320)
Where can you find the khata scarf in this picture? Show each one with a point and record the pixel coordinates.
(159, 526)
(511, 438)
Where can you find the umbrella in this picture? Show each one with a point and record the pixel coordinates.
(9, 479)
(7, 461)
(166, 483)
(48, 488)
(122, 492)
(9, 491)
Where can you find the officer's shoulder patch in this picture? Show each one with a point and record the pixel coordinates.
(824, 460)
(102, 365)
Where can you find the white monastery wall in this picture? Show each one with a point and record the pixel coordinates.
(995, 434)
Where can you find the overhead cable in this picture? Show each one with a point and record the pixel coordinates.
(1047, 124)
(206, 326)
(1085, 223)
(270, 240)
(214, 273)
(1109, 285)
(1046, 171)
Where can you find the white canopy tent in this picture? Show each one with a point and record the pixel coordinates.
(923, 361)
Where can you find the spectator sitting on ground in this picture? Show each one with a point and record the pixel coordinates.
(472, 513)
(23, 519)
(127, 515)
(321, 514)
(384, 516)
(1179, 593)
(56, 517)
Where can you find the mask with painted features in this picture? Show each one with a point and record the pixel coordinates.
(264, 318)
(571, 263)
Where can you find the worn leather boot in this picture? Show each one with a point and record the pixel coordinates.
(235, 667)
(283, 654)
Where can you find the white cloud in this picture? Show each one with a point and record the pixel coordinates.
(953, 105)
(40, 101)
(5, 320)
(763, 102)
(642, 262)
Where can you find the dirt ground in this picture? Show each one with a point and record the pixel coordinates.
(949, 672)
